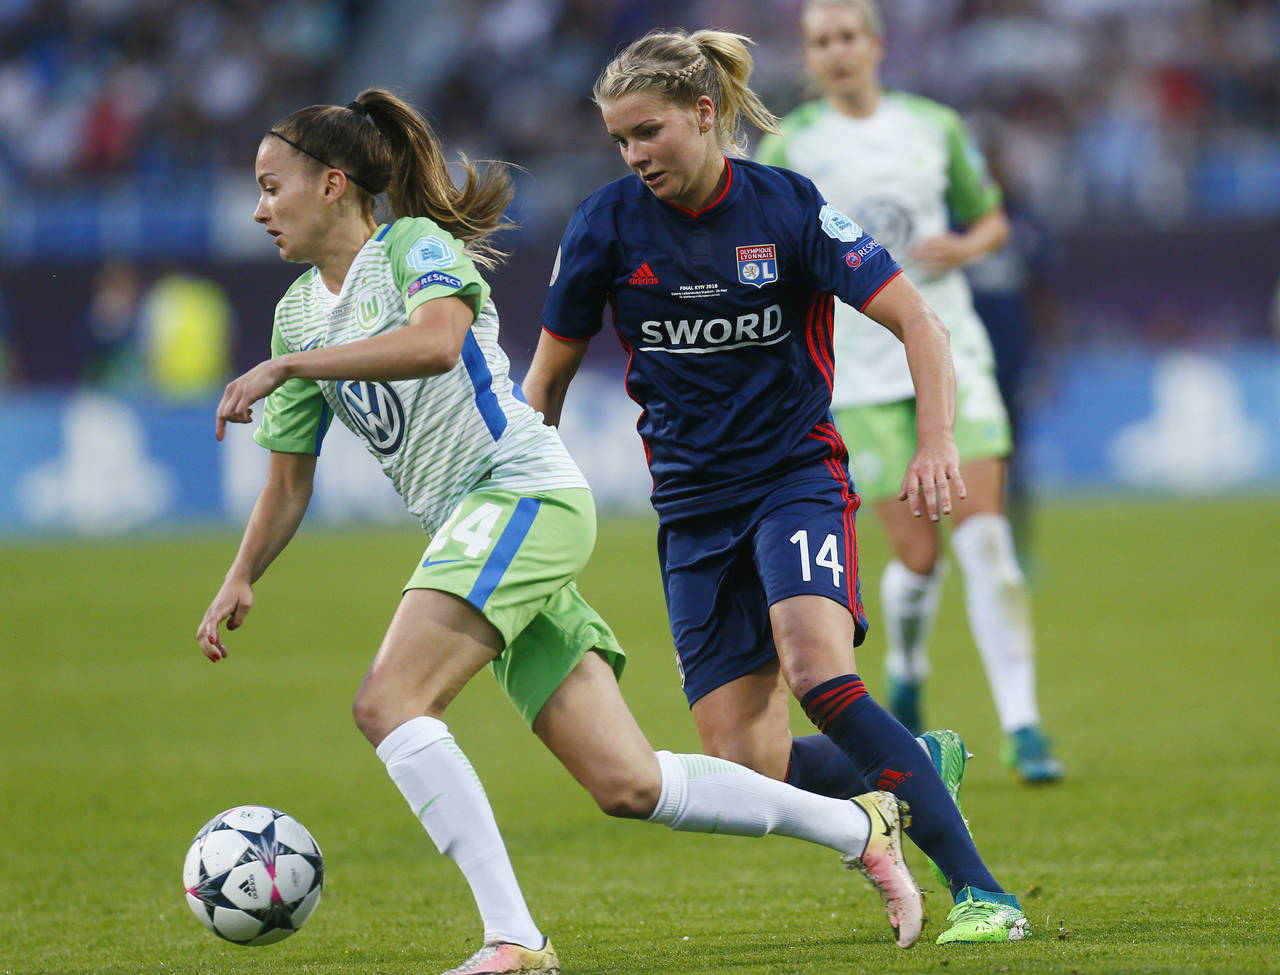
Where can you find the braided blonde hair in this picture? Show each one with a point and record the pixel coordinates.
(681, 68)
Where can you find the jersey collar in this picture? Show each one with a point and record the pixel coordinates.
(728, 184)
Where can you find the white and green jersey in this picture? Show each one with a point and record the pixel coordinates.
(899, 173)
(436, 438)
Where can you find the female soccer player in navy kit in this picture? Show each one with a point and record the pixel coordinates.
(915, 173)
(721, 274)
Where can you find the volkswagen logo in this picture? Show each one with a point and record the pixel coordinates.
(376, 411)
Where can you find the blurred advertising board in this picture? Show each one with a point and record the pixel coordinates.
(1167, 422)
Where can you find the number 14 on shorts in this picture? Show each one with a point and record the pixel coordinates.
(474, 529)
(827, 557)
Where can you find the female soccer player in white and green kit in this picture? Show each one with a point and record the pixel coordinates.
(392, 331)
(904, 166)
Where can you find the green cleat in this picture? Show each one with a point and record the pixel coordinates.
(949, 757)
(975, 918)
(1026, 751)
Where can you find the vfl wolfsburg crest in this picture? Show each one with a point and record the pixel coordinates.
(368, 310)
(376, 411)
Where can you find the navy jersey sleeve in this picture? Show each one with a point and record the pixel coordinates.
(843, 259)
(580, 282)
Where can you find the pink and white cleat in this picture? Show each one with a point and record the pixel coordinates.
(882, 864)
(504, 958)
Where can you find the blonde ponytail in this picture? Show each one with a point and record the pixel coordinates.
(681, 68)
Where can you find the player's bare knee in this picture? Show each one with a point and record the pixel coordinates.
(628, 797)
(368, 716)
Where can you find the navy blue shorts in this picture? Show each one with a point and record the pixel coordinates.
(722, 573)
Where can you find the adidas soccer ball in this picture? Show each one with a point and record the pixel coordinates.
(253, 875)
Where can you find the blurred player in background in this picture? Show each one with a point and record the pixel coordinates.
(720, 273)
(393, 331)
(901, 165)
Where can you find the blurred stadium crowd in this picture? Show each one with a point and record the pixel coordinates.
(1138, 142)
(1124, 131)
(1165, 109)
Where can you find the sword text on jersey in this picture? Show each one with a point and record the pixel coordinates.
(714, 334)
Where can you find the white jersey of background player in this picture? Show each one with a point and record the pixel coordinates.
(905, 168)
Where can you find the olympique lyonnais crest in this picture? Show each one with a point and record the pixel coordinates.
(758, 264)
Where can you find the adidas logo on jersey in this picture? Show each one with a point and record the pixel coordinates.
(643, 275)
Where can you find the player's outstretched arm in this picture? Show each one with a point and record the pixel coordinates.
(429, 345)
(935, 469)
(555, 363)
(276, 515)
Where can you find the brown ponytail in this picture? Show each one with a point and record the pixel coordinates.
(383, 144)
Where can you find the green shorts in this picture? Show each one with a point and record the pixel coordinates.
(881, 437)
(514, 558)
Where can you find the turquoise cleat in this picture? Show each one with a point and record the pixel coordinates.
(1026, 751)
(904, 704)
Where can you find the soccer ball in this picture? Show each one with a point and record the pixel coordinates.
(253, 875)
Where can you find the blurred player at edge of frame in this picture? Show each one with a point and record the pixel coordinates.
(393, 331)
(721, 273)
(899, 164)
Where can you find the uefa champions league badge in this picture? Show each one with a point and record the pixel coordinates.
(758, 265)
(837, 226)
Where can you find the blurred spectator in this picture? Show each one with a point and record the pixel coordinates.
(186, 333)
(126, 125)
(1168, 110)
(10, 372)
(114, 361)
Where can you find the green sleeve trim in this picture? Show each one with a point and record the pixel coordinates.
(773, 148)
(971, 191)
(296, 416)
(429, 262)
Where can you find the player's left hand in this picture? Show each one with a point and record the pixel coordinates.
(939, 254)
(932, 476)
(242, 392)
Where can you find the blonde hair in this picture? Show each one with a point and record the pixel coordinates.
(383, 144)
(869, 10)
(681, 68)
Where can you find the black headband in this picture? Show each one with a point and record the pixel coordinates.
(323, 162)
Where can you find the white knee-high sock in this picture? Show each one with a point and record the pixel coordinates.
(999, 615)
(909, 605)
(701, 794)
(445, 794)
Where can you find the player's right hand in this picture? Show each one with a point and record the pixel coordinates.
(232, 604)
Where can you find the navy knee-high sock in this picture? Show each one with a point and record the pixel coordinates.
(888, 757)
(818, 765)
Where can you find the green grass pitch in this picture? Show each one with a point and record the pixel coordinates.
(1159, 669)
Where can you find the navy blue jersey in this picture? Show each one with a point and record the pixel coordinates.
(725, 315)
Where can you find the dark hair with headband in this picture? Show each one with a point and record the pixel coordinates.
(382, 144)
